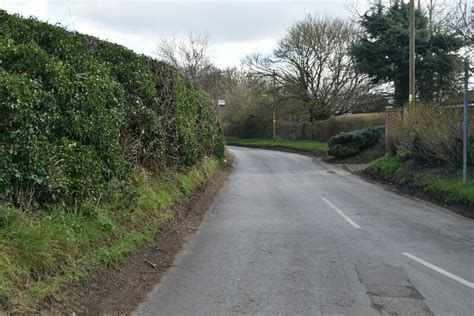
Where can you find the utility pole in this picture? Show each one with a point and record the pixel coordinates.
(412, 92)
(465, 154)
(274, 109)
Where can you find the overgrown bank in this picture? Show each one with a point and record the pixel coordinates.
(437, 183)
(96, 142)
(427, 156)
(39, 254)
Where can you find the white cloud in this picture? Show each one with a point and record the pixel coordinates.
(235, 28)
(231, 53)
(37, 8)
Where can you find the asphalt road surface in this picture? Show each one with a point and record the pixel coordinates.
(289, 234)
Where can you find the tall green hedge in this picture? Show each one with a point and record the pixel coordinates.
(77, 114)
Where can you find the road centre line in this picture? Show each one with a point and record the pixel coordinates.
(347, 218)
(439, 270)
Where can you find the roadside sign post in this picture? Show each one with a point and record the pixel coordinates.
(274, 109)
(466, 123)
(273, 123)
(412, 91)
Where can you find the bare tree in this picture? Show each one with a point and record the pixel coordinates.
(435, 11)
(312, 64)
(191, 55)
(461, 20)
(248, 111)
(452, 16)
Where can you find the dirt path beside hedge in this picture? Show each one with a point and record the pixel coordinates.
(119, 289)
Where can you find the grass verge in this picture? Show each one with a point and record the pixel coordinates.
(365, 156)
(308, 146)
(439, 184)
(39, 253)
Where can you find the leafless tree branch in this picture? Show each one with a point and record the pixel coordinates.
(312, 64)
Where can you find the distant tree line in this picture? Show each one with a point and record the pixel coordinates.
(324, 67)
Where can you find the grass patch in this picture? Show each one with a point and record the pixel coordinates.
(41, 252)
(310, 146)
(439, 183)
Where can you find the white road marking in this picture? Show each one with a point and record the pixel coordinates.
(439, 270)
(347, 218)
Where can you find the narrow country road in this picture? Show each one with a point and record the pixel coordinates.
(289, 234)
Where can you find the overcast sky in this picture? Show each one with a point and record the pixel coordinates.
(235, 28)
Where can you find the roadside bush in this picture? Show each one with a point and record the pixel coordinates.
(96, 144)
(250, 126)
(350, 144)
(60, 131)
(78, 114)
(431, 134)
(141, 135)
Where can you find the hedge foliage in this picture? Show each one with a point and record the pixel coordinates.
(350, 144)
(432, 134)
(77, 114)
(324, 130)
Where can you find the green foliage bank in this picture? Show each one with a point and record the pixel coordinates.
(79, 118)
(78, 113)
(437, 182)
